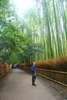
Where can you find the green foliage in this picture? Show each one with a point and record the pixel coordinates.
(41, 35)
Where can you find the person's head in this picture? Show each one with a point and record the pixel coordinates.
(34, 63)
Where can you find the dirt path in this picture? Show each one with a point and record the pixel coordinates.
(17, 86)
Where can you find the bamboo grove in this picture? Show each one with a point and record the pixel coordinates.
(40, 34)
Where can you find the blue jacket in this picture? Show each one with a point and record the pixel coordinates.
(33, 69)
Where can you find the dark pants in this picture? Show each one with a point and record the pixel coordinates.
(33, 79)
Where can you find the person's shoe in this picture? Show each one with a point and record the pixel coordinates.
(34, 84)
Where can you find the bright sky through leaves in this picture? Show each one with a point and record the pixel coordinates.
(21, 6)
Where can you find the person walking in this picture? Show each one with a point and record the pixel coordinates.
(33, 69)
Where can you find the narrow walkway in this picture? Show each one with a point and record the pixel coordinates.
(17, 86)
